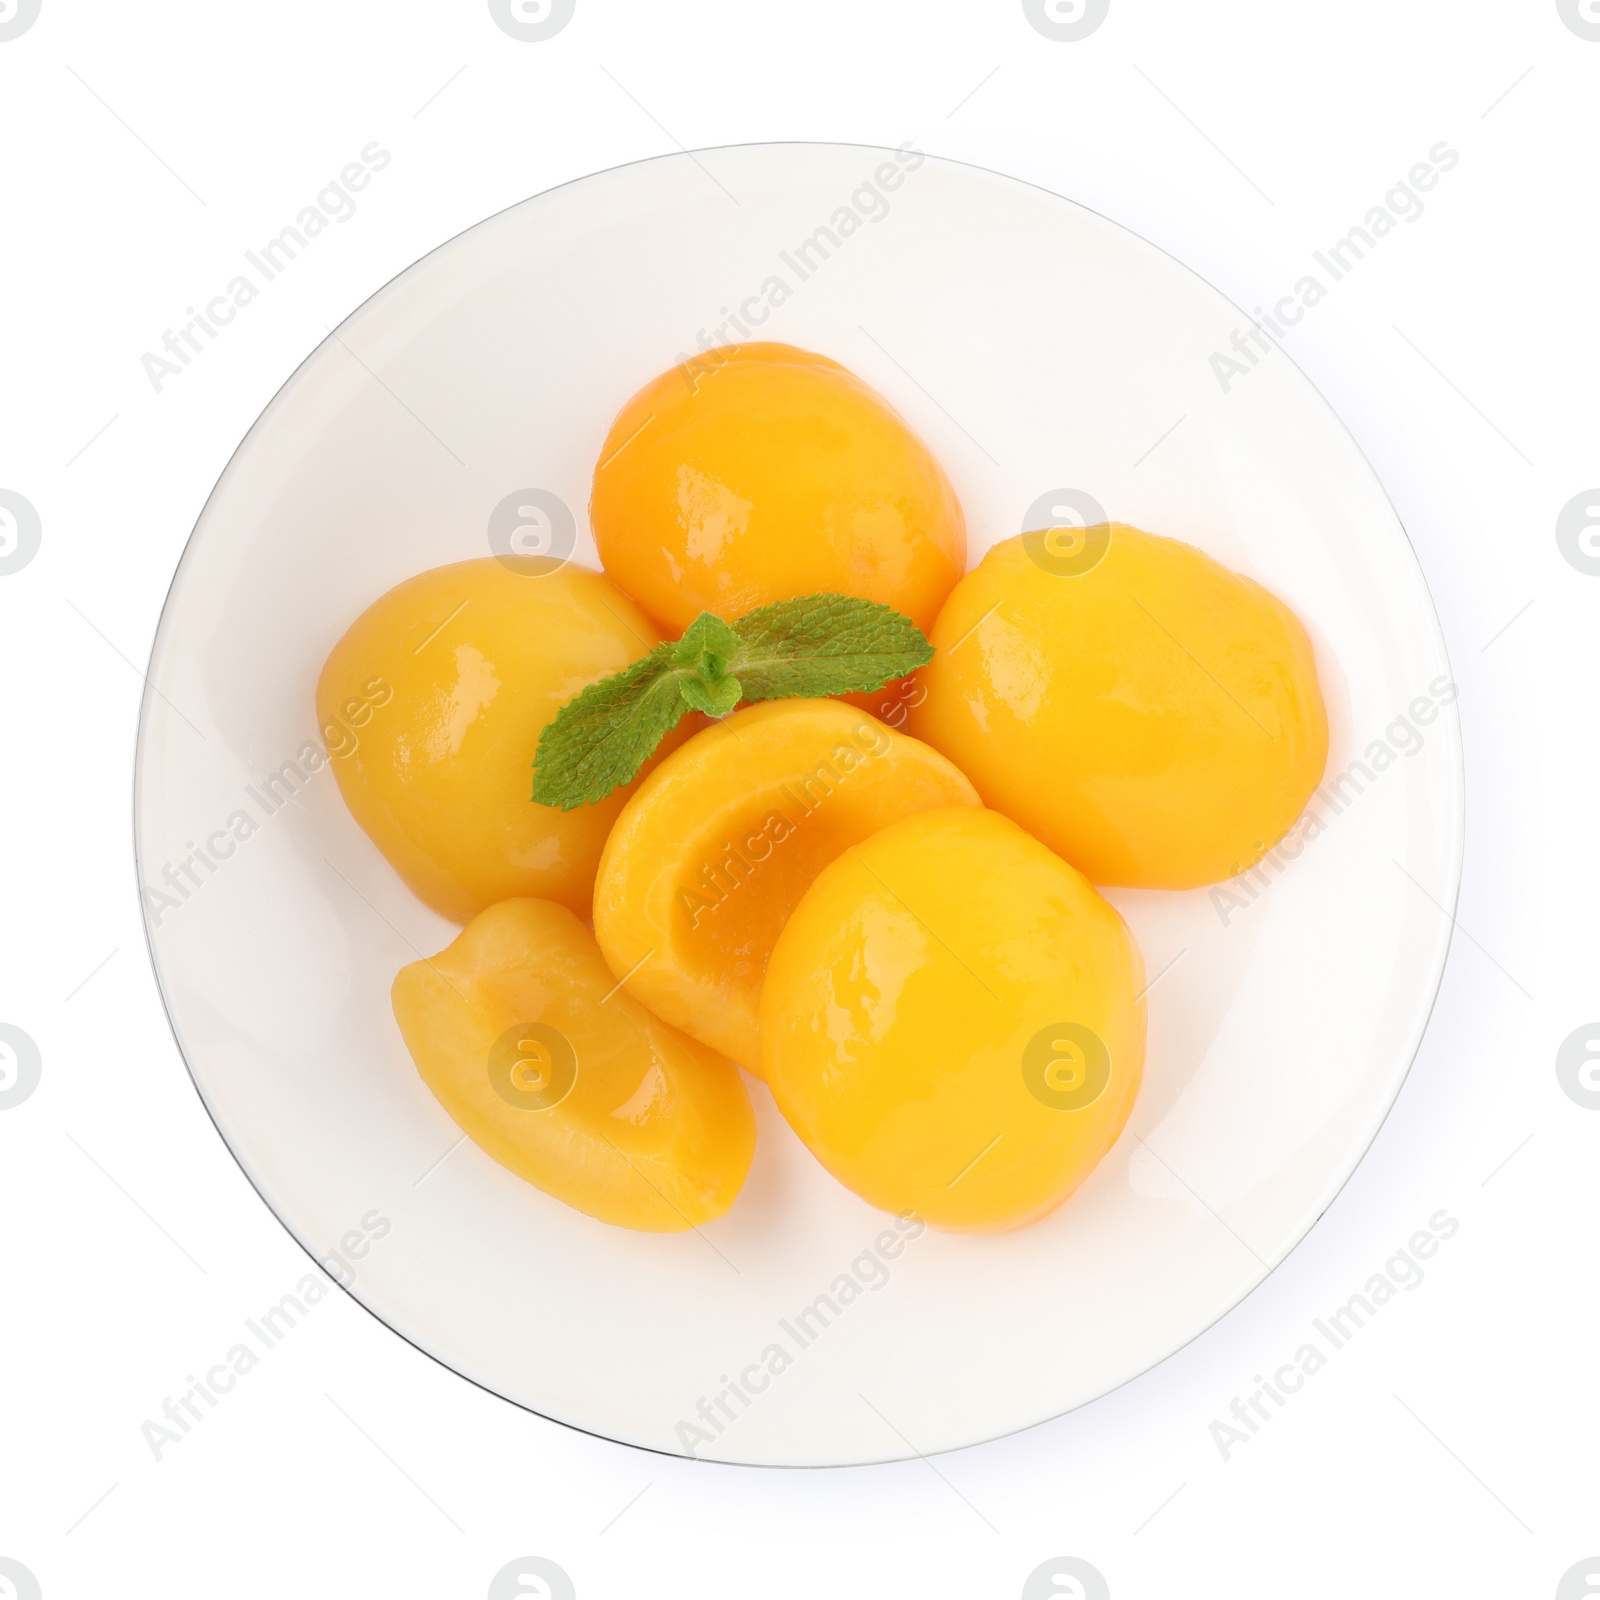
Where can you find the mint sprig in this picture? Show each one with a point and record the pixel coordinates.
(815, 645)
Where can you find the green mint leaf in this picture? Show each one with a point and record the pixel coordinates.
(598, 740)
(704, 653)
(824, 644)
(707, 646)
(715, 699)
(816, 645)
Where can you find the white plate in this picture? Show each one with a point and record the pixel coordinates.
(1036, 346)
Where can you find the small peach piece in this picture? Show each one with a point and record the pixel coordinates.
(519, 1030)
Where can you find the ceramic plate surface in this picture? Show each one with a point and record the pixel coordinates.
(1039, 349)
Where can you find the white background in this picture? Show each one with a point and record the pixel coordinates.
(1450, 1446)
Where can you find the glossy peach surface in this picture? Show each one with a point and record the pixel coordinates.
(518, 1029)
(1152, 717)
(759, 472)
(952, 1022)
(431, 706)
(717, 846)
